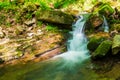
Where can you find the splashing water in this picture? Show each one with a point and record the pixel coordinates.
(69, 62)
(66, 66)
(105, 25)
(77, 46)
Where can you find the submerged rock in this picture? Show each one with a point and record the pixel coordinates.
(53, 16)
(116, 44)
(102, 49)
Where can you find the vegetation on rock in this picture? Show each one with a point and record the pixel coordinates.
(116, 44)
(54, 16)
(102, 49)
(94, 43)
(25, 21)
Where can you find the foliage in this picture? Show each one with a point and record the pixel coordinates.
(28, 7)
(39, 23)
(52, 28)
(103, 8)
(43, 4)
(102, 49)
(63, 3)
(4, 5)
(94, 43)
(2, 19)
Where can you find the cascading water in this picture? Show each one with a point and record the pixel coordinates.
(66, 66)
(68, 63)
(77, 45)
(105, 25)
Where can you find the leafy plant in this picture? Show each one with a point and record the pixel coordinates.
(39, 23)
(43, 3)
(4, 5)
(63, 3)
(52, 28)
(103, 8)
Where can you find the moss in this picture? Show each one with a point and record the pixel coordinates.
(116, 44)
(19, 53)
(54, 16)
(29, 7)
(2, 19)
(102, 49)
(26, 12)
(103, 8)
(94, 43)
(115, 27)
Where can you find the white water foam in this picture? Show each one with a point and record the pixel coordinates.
(77, 46)
(105, 25)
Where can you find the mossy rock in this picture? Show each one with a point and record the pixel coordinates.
(102, 49)
(94, 43)
(116, 44)
(96, 21)
(17, 1)
(115, 27)
(26, 12)
(103, 8)
(30, 7)
(53, 16)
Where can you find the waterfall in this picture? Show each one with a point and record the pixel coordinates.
(105, 25)
(77, 45)
(66, 66)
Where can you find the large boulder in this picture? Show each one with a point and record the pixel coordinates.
(96, 39)
(54, 16)
(102, 49)
(94, 43)
(96, 21)
(115, 27)
(116, 44)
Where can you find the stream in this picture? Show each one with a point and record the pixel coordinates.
(75, 64)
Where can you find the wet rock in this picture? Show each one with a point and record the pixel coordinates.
(19, 30)
(94, 43)
(96, 21)
(116, 14)
(102, 49)
(115, 27)
(116, 44)
(2, 34)
(72, 11)
(30, 35)
(4, 41)
(30, 22)
(53, 16)
(113, 33)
